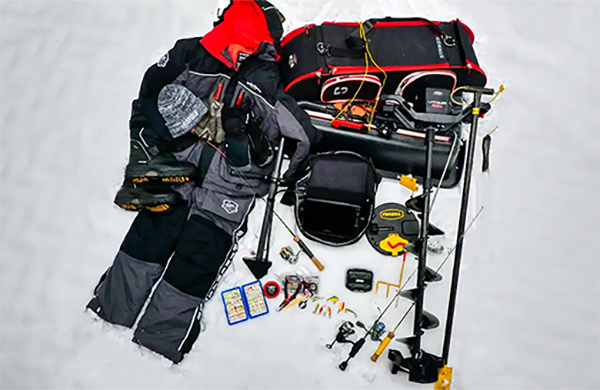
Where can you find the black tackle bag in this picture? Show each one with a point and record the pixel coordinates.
(335, 200)
(315, 56)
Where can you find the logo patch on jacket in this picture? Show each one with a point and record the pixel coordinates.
(230, 206)
(163, 61)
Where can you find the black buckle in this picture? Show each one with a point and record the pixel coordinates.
(368, 26)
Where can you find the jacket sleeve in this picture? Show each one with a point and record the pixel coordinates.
(146, 123)
(295, 126)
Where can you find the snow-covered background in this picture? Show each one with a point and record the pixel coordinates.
(528, 314)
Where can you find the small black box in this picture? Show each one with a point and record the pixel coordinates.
(359, 280)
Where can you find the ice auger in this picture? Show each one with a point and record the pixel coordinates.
(422, 366)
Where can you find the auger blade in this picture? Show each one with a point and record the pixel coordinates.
(413, 247)
(429, 321)
(432, 276)
(408, 341)
(432, 230)
(416, 204)
(410, 294)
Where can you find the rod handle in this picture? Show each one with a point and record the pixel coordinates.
(312, 257)
(382, 346)
(316, 262)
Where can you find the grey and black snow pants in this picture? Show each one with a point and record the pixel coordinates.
(190, 246)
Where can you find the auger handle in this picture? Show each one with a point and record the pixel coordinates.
(305, 249)
(474, 89)
(382, 346)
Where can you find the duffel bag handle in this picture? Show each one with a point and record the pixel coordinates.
(355, 47)
(353, 40)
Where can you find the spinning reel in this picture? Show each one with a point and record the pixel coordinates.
(345, 330)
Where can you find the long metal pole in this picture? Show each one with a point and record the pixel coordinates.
(461, 225)
(265, 231)
(416, 346)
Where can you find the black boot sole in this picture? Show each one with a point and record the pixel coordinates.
(140, 173)
(136, 199)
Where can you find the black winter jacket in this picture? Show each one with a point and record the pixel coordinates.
(256, 82)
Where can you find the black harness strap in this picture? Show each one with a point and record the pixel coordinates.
(206, 157)
(356, 45)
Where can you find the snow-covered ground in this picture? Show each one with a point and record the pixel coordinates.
(528, 314)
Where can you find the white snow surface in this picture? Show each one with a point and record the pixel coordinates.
(528, 312)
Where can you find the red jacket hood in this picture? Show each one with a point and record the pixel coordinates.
(245, 27)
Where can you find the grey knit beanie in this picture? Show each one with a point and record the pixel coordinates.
(180, 108)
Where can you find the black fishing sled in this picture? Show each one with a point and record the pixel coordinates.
(374, 87)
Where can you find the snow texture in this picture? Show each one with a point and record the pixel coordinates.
(528, 304)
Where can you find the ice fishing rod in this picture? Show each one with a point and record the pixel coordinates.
(359, 344)
(271, 209)
(384, 343)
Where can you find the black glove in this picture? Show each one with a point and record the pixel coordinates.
(245, 141)
(261, 151)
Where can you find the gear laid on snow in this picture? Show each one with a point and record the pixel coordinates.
(209, 131)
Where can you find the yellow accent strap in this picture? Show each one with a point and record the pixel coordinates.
(409, 182)
(444, 379)
(158, 208)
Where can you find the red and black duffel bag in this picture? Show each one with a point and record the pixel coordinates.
(313, 55)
